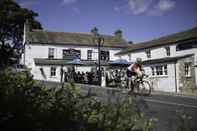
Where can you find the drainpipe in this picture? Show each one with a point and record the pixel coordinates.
(61, 76)
(24, 55)
(176, 90)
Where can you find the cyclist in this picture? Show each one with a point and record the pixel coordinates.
(134, 70)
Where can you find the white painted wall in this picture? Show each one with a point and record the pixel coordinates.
(38, 76)
(41, 51)
(159, 52)
(83, 69)
(163, 83)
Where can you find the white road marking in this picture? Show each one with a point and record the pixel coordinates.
(170, 103)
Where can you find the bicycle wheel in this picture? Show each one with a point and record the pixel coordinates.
(144, 88)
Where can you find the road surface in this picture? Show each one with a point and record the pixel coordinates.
(171, 112)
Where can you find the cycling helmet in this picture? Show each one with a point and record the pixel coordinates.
(139, 60)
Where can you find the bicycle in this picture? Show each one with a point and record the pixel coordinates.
(142, 85)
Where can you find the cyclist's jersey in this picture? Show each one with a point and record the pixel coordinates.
(134, 67)
(134, 70)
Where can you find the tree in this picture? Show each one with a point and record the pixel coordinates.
(12, 19)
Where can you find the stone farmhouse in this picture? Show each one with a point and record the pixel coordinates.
(171, 61)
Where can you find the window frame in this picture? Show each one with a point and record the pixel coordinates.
(53, 71)
(148, 53)
(89, 54)
(187, 69)
(165, 69)
(168, 52)
(51, 53)
(106, 56)
(159, 70)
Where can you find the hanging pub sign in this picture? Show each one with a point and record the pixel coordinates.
(71, 54)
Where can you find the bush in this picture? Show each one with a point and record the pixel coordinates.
(26, 105)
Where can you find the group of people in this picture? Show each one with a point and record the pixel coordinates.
(81, 77)
(123, 77)
(117, 76)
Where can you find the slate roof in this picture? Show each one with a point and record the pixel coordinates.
(67, 38)
(187, 35)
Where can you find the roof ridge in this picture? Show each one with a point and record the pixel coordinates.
(78, 33)
(76, 38)
(169, 35)
(165, 40)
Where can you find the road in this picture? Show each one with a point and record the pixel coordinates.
(170, 111)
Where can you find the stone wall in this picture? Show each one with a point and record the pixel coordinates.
(186, 83)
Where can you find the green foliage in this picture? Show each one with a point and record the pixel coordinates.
(26, 105)
(12, 19)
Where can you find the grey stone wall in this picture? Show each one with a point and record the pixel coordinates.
(187, 84)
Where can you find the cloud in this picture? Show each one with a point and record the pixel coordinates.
(166, 5)
(139, 6)
(76, 10)
(28, 3)
(68, 2)
(162, 7)
(117, 8)
(147, 7)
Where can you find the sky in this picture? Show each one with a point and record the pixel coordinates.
(139, 20)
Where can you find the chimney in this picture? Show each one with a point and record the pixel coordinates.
(130, 42)
(27, 26)
(118, 34)
(94, 31)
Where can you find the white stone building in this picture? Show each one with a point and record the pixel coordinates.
(171, 61)
(46, 52)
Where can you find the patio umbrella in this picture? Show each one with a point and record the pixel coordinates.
(76, 62)
(120, 62)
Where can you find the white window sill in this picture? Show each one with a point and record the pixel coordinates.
(53, 77)
(188, 76)
(161, 76)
